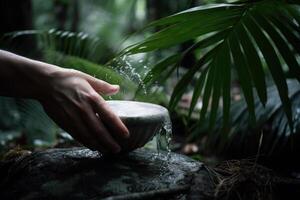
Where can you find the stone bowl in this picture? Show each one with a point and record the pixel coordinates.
(143, 121)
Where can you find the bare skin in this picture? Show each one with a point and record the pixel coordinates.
(71, 98)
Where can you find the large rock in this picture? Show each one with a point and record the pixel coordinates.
(78, 173)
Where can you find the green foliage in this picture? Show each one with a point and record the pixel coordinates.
(252, 38)
(25, 117)
(244, 40)
(78, 51)
(271, 123)
(69, 43)
(39, 129)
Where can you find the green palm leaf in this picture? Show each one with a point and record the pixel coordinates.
(251, 38)
(243, 73)
(271, 122)
(273, 63)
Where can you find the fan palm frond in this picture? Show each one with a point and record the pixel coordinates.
(79, 51)
(272, 126)
(253, 38)
(78, 44)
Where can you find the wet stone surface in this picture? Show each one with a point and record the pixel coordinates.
(78, 173)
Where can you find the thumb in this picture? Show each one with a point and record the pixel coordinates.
(101, 86)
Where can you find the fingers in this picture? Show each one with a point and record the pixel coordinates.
(100, 86)
(84, 126)
(109, 118)
(99, 131)
(72, 125)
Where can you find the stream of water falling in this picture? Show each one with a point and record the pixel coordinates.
(164, 136)
(163, 140)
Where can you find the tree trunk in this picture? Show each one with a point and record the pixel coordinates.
(16, 15)
(75, 17)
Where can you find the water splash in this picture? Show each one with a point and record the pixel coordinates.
(126, 69)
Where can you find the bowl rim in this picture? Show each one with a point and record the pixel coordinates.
(155, 116)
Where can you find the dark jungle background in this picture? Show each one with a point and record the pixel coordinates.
(227, 70)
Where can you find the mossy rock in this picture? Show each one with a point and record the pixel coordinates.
(79, 173)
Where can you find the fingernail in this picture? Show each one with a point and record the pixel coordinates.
(113, 89)
(116, 87)
(127, 134)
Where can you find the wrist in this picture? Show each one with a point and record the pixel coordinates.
(25, 78)
(44, 78)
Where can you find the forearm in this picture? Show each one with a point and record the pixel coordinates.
(23, 77)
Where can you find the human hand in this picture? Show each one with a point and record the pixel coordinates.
(72, 100)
